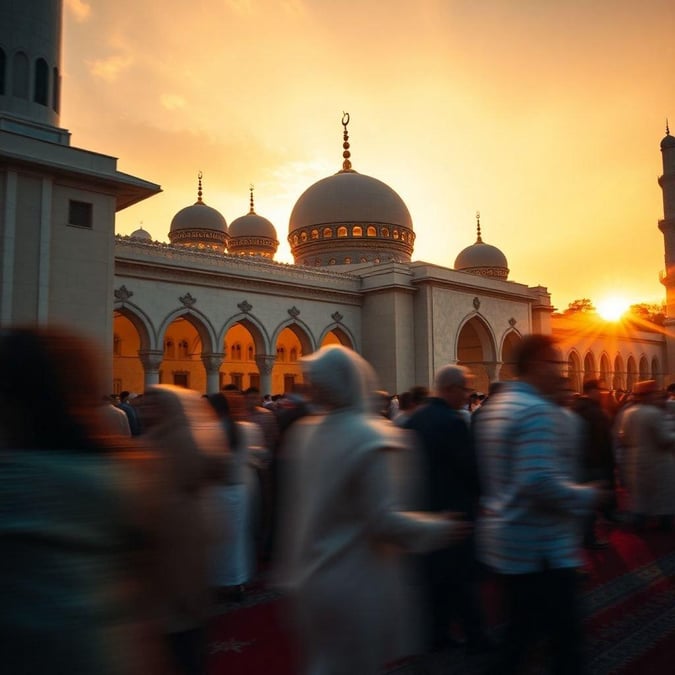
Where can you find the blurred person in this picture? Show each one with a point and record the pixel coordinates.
(80, 518)
(597, 454)
(649, 456)
(234, 556)
(130, 411)
(528, 527)
(193, 448)
(343, 531)
(113, 419)
(409, 401)
(450, 575)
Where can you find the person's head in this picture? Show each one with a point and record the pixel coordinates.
(539, 363)
(339, 378)
(670, 391)
(49, 390)
(452, 384)
(647, 391)
(592, 389)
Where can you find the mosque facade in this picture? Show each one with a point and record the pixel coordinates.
(211, 307)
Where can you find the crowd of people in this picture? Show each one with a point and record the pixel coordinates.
(125, 520)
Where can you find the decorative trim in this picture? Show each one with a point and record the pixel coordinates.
(123, 293)
(245, 306)
(476, 303)
(337, 317)
(512, 322)
(187, 300)
(294, 312)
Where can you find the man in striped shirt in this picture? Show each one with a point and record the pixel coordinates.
(529, 526)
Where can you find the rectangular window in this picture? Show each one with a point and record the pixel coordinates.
(181, 379)
(237, 380)
(81, 214)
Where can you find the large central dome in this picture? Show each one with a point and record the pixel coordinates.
(350, 218)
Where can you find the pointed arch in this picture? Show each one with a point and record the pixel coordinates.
(510, 341)
(618, 378)
(643, 368)
(341, 332)
(199, 322)
(261, 341)
(605, 371)
(302, 332)
(590, 372)
(574, 372)
(140, 321)
(475, 348)
(631, 373)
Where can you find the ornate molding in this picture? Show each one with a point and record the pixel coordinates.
(476, 303)
(245, 306)
(188, 300)
(294, 312)
(213, 361)
(512, 322)
(151, 359)
(123, 293)
(336, 316)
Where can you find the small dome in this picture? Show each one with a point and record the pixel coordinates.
(141, 235)
(667, 141)
(482, 259)
(199, 226)
(252, 225)
(198, 216)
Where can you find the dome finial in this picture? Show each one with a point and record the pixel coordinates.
(200, 175)
(667, 128)
(346, 164)
(479, 240)
(251, 187)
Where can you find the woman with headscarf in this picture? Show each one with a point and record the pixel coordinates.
(79, 519)
(343, 530)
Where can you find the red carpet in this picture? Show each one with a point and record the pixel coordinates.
(629, 601)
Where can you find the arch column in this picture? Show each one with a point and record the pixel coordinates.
(265, 363)
(151, 359)
(212, 363)
(495, 371)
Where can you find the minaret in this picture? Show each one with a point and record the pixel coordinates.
(667, 226)
(30, 68)
(57, 202)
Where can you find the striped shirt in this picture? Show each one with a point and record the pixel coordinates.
(530, 504)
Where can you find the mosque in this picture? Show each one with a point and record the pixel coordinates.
(211, 306)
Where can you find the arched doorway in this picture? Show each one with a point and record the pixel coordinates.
(631, 373)
(239, 366)
(128, 372)
(290, 346)
(589, 367)
(574, 372)
(605, 374)
(476, 351)
(508, 369)
(182, 355)
(644, 368)
(618, 380)
(337, 336)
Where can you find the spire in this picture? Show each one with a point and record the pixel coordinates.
(667, 128)
(346, 164)
(478, 237)
(199, 188)
(251, 187)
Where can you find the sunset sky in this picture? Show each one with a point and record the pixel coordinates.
(544, 115)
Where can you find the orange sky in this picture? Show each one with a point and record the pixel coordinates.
(544, 115)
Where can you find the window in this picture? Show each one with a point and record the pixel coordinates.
(385, 231)
(357, 231)
(117, 345)
(181, 379)
(294, 355)
(40, 92)
(289, 383)
(327, 233)
(183, 350)
(395, 234)
(254, 380)
(249, 352)
(342, 231)
(237, 379)
(303, 236)
(169, 350)
(281, 354)
(3, 65)
(236, 352)
(80, 214)
(20, 76)
(348, 261)
(315, 234)
(117, 386)
(372, 232)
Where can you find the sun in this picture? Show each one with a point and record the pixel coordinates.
(612, 308)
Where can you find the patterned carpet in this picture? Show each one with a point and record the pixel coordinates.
(629, 617)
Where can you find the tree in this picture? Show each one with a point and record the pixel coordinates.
(654, 312)
(580, 305)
